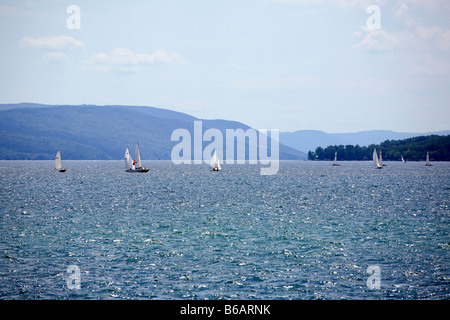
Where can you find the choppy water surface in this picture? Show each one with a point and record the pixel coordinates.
(184, 232)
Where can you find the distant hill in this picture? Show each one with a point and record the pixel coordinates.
(33, 131)
(309, 140)
(412, 149)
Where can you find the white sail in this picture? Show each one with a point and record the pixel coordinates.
(134, 166)
(58, 162)
(375, 159)
(428, 160)
(215, 164)
(335, 164)
(403, 160)
(138, 157)
(380, 161)
(128, 160)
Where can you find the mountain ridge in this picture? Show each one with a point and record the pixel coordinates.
(90, 132)
(35, 131)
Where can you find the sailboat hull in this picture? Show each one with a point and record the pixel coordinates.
(139, 170)
(62, 170)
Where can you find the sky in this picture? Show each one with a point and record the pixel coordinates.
(335, 66)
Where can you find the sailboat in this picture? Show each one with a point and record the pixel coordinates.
(136, 165)
(428, 164)
(335, 164)
(403, 160)
(58, 162)
(381, 159)
(376, 161)
(215, 164)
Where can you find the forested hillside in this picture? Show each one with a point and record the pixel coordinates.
(88, 132)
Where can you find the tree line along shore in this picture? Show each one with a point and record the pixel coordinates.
(411, 149)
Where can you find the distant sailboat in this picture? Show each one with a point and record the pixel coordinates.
(381, 159)
(335, 164)
(215, 164)
(428, 164)
(136, 165)
(403, 160)
(58, 162)
(376, 161)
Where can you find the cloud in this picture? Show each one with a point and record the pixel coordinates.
(363, 4)
(53, 43)
(55, 57)
(375, 40)
(429, 4)
(402, 13)
(424, 47)
(412, 34)
(125, 60)
(422, 37)
(360, 3)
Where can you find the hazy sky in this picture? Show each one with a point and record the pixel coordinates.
(274, 64)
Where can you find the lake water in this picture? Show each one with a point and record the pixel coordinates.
(311, 231)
